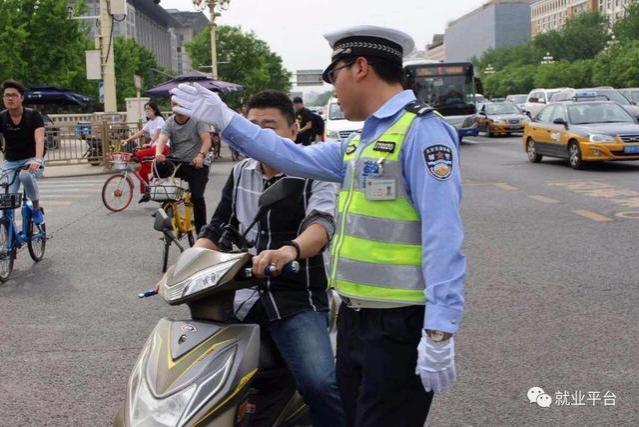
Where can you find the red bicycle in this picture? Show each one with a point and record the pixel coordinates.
(117, 191)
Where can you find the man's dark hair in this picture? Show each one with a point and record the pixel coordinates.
(13, 84)
(273, 99)
(387, 71)
(297, 100)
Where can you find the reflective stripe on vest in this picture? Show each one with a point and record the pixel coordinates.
(377, 250)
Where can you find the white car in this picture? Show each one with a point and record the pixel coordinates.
(538, 98)
(337, 127)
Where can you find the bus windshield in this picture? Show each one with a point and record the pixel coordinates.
(449, 88)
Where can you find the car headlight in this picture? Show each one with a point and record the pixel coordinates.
(601, 138)
(204, 279)
(332, 134)
(499, 122)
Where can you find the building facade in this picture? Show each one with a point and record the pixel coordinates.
(498, 23)
(547, 15)
(153, 27)
(436, 50)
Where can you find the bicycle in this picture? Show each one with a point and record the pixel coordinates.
(176, 208)
(117, 191)
(34, 235)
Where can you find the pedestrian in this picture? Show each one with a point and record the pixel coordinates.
(304, 117)
(151, 131)
(190, 142)
(23, 131)
(318, 127)
(396, 255)
(291, 309)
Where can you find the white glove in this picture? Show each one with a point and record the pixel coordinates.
(194, 100)
(436, 363)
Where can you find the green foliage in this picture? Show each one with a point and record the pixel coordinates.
(131, 58)
(577, 49)
(40, 45)
(627, 29)
(243, 59)
(618, 66)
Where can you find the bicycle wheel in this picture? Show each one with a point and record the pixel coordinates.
(6, 256)
(38, 243)
(117, 192)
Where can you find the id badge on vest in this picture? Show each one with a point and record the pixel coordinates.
(381, 189)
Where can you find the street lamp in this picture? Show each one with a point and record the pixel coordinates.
(548, 59)
(214, 6)
(489, 70)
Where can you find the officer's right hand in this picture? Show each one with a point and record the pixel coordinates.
(160, 158)
(436, 363)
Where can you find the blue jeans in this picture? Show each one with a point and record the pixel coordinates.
(27, 178)
(304, 344)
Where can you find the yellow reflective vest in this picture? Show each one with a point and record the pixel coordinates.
(376, 252)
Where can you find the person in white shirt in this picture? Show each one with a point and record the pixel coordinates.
(151, 130)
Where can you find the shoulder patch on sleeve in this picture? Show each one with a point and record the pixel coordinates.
(418, 108)
(439, 161)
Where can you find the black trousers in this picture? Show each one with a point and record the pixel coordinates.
(197, 179)
(376, 360)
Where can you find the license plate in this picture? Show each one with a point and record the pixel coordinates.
(633, 149)
(517, 127)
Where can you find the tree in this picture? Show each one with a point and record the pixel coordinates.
(584, 36)
(244, 59)
(40, 45)
(131, 58)
(618, 66)
(627, 29)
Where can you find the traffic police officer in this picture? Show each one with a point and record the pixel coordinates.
(396, 256)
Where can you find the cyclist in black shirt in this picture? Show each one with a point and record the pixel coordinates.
(23, 131)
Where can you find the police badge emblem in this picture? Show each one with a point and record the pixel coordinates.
(439, 161)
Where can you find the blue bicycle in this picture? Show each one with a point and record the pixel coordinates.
(11, 239)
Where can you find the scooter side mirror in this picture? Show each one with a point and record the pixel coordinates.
(163, 223)
(281, 190)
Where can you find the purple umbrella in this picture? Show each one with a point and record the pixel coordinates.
(206, 80)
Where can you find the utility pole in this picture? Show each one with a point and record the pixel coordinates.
(213, 4)
(108, 63)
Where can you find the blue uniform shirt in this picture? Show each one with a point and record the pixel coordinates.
(437, 200)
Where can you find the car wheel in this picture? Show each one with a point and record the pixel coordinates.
(574, 153)
(533, 156)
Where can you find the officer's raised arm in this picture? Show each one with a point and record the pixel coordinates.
(323, 161)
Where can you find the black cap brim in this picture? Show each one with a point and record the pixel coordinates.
(328, 70)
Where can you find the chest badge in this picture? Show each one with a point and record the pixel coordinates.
(385, 147)
(439, 161)
(350, 149)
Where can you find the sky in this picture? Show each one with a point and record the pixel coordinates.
(293, 28)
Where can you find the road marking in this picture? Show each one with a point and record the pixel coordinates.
(61, 196)
(68, 185)
(593, 216)
(58, 203)
(73, 190)
(505, 186)
(627, 215)
(543, 199)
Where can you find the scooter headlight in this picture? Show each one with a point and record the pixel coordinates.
(202, 280)
(152, 412)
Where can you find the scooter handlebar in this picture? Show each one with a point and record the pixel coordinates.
(291, 267)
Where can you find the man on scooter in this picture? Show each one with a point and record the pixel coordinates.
(291, 308)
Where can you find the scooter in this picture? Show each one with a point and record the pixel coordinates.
(199, 371)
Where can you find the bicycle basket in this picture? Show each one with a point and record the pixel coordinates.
(165, 189)
(10, 200)
(120, 161)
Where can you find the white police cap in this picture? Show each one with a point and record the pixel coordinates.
(368, 40)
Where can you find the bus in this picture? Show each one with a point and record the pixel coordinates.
(447, 87)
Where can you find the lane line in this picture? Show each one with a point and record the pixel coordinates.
(505, 186)
(62, 196)
(58, 203)
(593, 216)
(72, 190)
(543, 199)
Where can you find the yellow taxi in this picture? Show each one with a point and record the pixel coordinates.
(500, 118)
(582, 132)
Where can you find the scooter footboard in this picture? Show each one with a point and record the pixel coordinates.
(192, 373)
